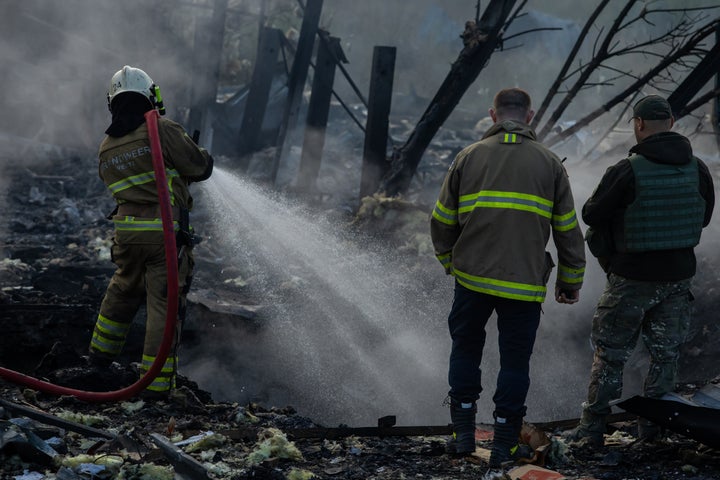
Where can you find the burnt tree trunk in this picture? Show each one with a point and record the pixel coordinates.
(715, 113)
(480, 42)
(695, 81)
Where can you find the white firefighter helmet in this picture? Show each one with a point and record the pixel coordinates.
(130, 79)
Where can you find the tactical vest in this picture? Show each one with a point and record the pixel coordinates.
(668, 210)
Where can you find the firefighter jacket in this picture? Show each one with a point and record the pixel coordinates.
(500, 199)
(126, 168)
(614, 200)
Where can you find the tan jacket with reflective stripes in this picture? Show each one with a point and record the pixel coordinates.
(126, 168)
(499, 202)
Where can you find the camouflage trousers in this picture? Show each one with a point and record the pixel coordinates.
(659, 312)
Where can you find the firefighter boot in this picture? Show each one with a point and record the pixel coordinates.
(462, 416)
(505, 446)
(590, 430)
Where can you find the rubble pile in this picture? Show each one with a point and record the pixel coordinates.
(191, 436)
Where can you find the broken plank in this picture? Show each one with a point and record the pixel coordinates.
(49, 419)
(183, 463)
(41, 307)
(340, 432)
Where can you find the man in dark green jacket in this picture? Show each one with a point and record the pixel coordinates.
(645, 216)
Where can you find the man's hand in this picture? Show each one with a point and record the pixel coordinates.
(563, 295)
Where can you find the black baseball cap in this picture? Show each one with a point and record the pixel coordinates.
(652, 107)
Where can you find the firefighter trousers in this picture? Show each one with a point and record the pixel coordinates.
(141, 277)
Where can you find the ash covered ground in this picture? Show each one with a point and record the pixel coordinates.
(55, 267)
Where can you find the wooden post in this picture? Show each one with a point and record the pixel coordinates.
(265, 66)
(296, 82)
(317, 115)
(375, 163)
(480, 41)
(208, 55)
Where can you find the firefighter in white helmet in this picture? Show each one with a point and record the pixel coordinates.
(126, 168)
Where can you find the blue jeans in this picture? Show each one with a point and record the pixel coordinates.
(517, 326)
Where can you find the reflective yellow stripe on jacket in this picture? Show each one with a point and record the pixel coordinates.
(142, 179)
(445, 259)
(495, 199)
(501, 288)
(513, 200)
(565, 223)
(445, 215)
(144, 225)
(570, 275)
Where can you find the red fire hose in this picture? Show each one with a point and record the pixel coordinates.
(151, 119)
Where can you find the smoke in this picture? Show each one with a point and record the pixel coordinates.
(58, 59)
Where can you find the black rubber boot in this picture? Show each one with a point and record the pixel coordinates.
(505, 441)
(462, 415)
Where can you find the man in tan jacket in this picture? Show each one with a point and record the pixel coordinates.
(499, 202)
(138, 248)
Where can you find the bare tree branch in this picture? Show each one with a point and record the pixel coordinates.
(515, 15)
(612, 127)
(585, 74)
(686, 49)
(617, 70)
(505, 39)
(676, 38)
(561, 75)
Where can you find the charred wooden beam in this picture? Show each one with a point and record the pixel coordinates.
(480, 41)
(318, 113)
(296, 82)
(259, 92)
(208, 56)
(341, 432)
(49, 419)
(375, 164)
